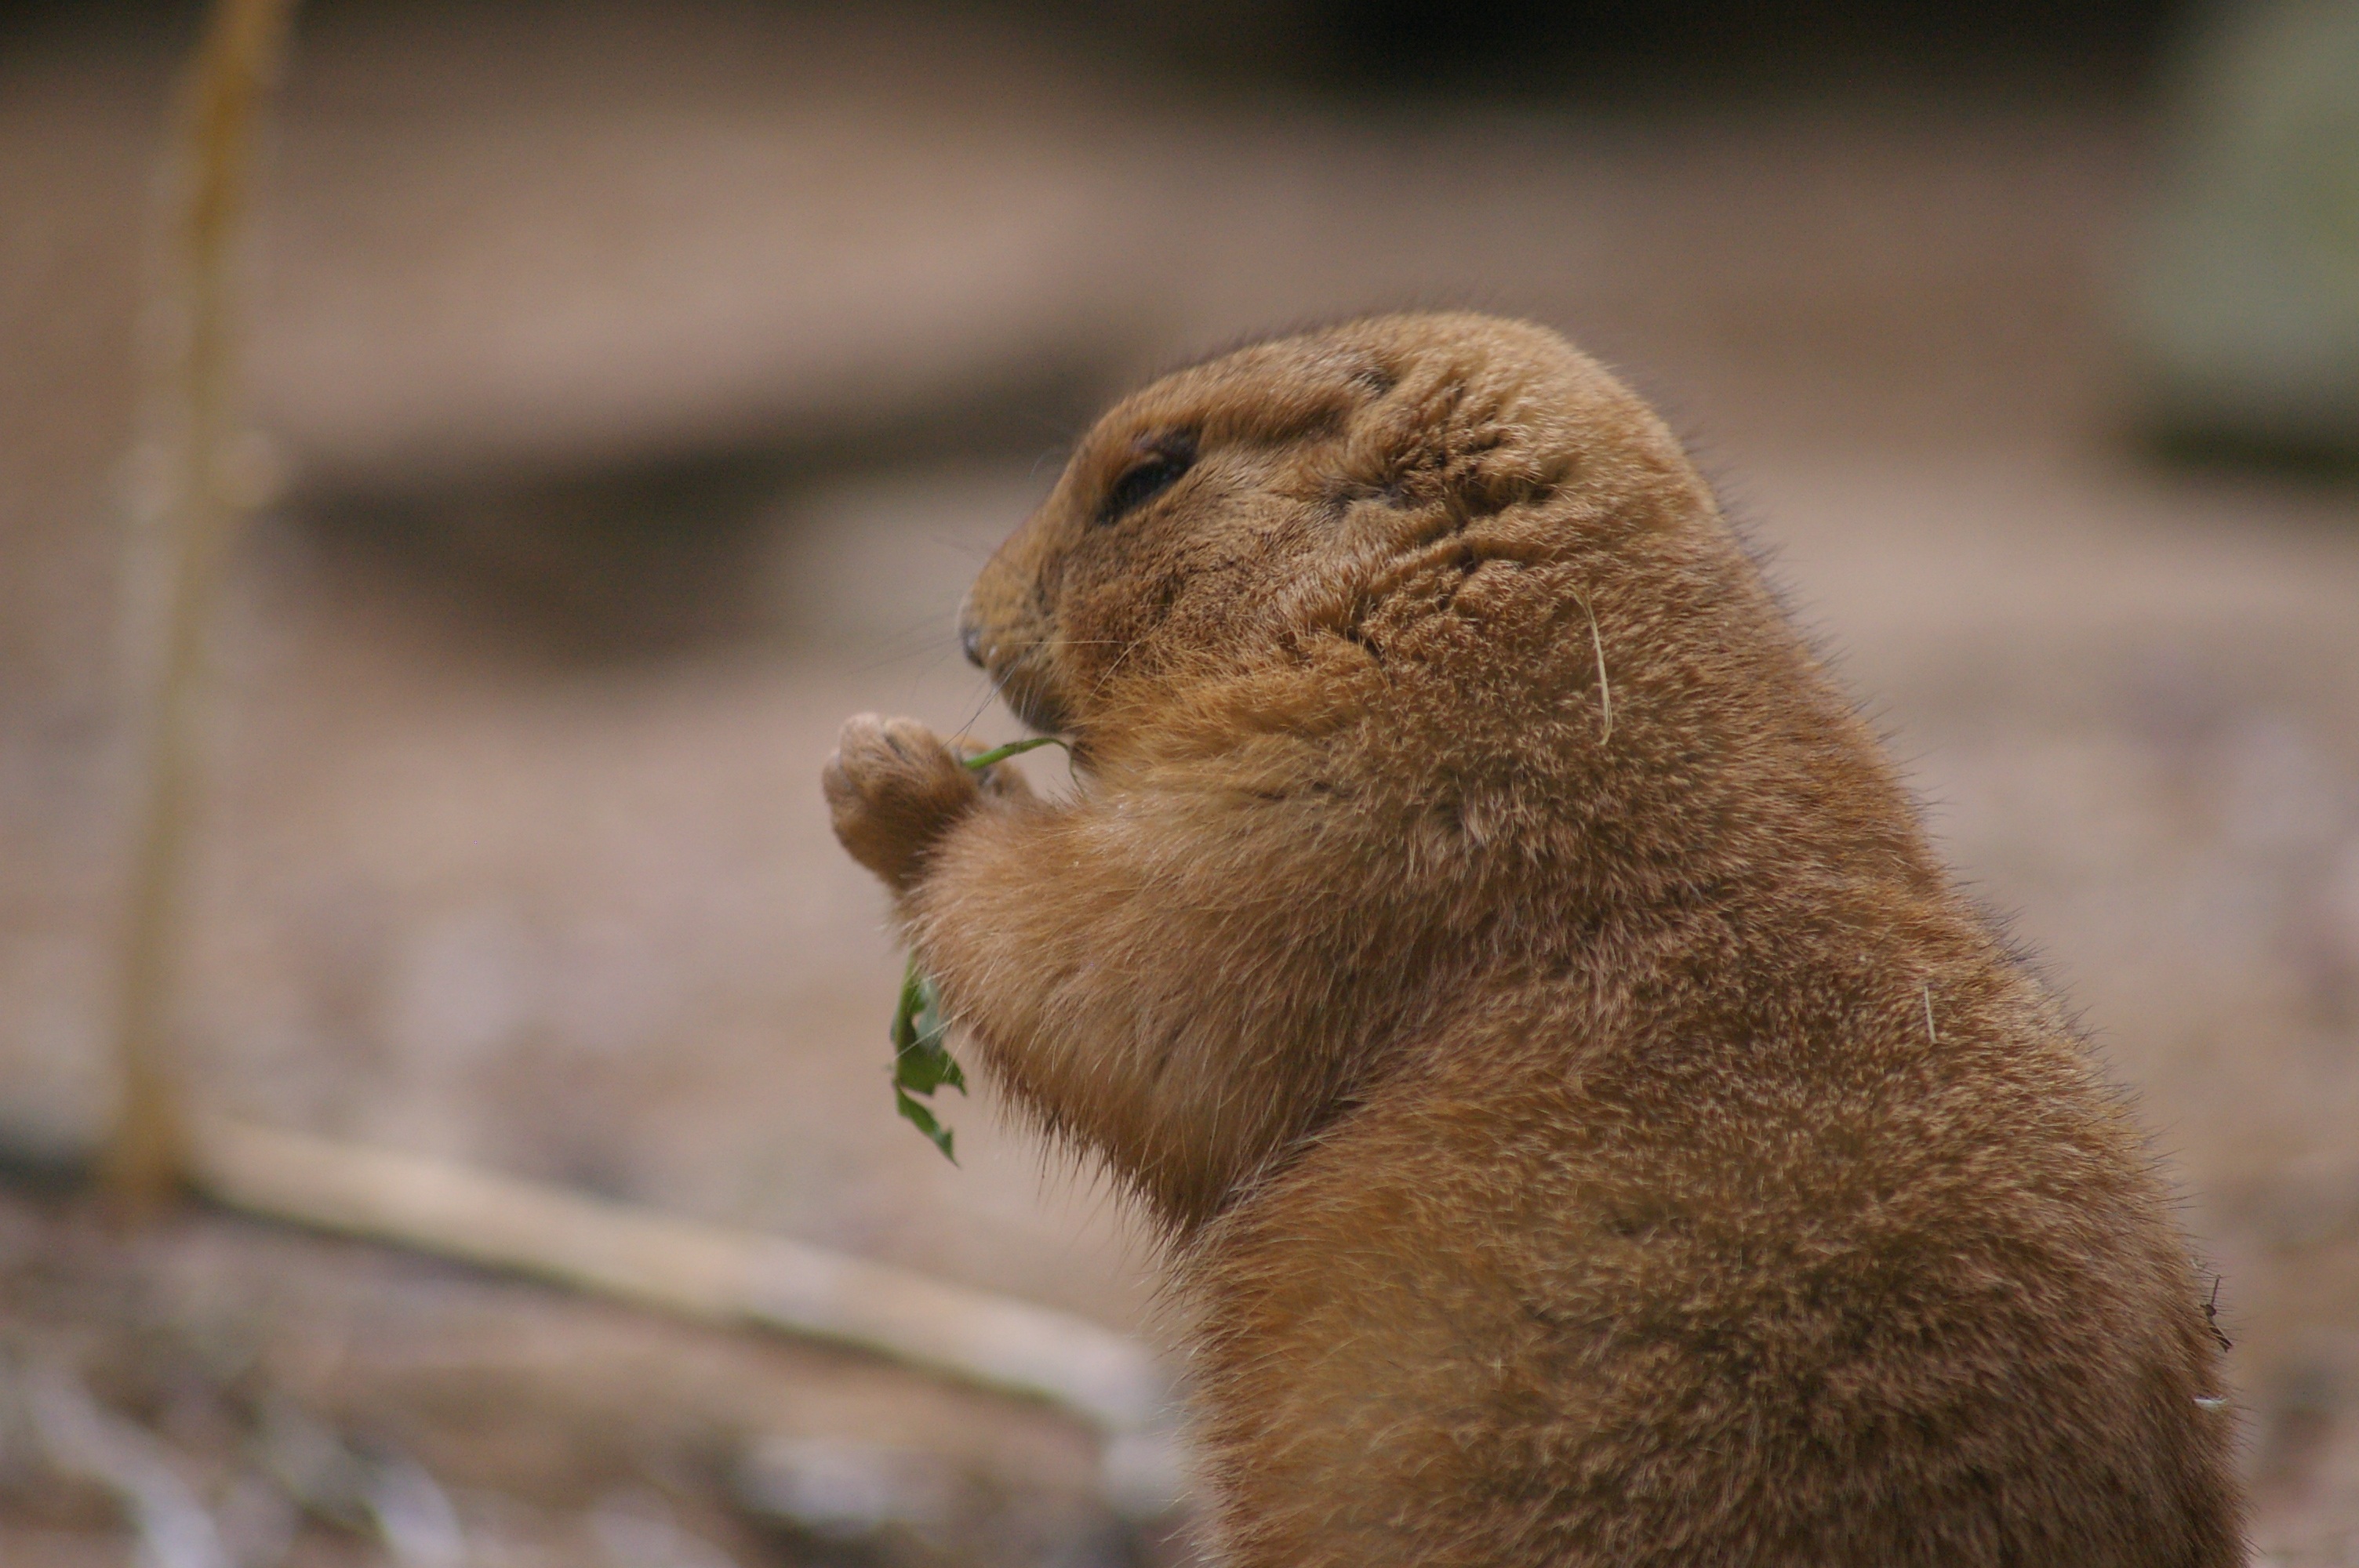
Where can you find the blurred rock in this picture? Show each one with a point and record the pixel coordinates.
(898, 1504)
(848, 1492)
(2246, 317)
(637, 1529)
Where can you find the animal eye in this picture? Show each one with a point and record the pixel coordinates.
(1153, 473)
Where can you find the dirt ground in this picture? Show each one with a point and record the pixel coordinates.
(648, 391)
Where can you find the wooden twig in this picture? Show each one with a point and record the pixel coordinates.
(704, 1272)
(183, 520)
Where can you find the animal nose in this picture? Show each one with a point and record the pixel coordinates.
(971, 639)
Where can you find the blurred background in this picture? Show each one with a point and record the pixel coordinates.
(636, 384)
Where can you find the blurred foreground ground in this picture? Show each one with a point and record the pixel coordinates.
(650, 392)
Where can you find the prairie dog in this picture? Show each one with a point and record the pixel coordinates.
(1588, 1126)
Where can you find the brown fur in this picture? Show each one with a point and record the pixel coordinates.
(1590, 1128)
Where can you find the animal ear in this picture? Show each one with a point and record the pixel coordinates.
(1472, 480)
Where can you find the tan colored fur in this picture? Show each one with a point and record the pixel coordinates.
(1590, 1126)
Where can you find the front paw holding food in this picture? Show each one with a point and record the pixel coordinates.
(893, 787)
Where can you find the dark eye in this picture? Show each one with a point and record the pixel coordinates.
(1148, 476)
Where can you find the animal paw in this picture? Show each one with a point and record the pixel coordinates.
(893, 787)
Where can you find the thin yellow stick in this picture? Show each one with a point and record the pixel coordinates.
(1605, 688)
(183, 531)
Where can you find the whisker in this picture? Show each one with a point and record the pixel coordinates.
(1107, 673)
(937, 646)
(909, 698)
(990, 690)
(888, 659)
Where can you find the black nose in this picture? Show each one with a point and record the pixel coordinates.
(971, 639)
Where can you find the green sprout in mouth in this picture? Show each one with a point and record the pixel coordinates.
(921, 1063)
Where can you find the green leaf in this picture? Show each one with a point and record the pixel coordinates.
(923, 1119)
(914, 986)
(983, 760)
(921, 1063)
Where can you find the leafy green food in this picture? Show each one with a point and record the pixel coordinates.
(921, 1063)
(983, 760)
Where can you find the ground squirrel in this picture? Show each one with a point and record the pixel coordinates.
(1588, 1125)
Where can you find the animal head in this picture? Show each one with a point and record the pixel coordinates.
(1271, 540)
(1444, 576)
